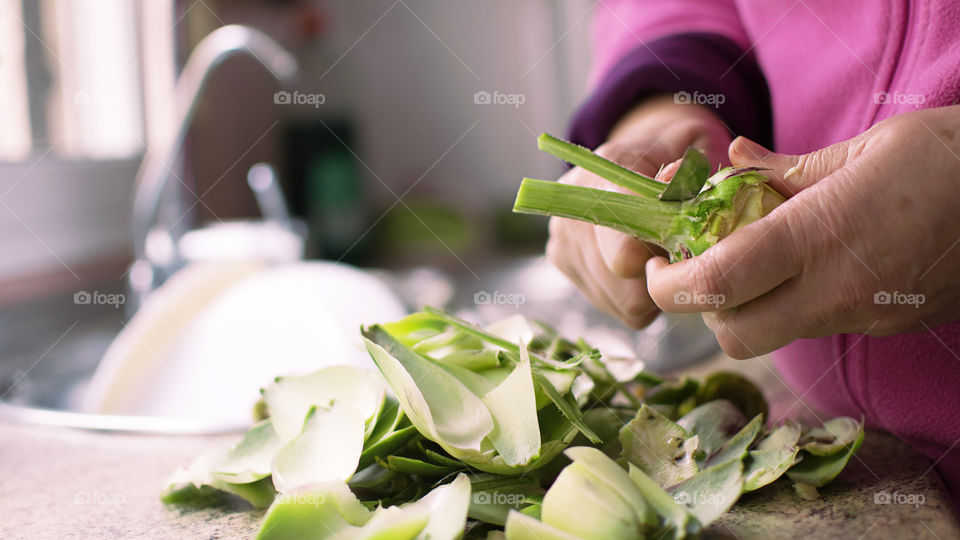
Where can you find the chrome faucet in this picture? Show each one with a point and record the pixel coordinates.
(159, 162)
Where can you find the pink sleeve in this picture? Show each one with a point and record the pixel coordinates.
(620, 26)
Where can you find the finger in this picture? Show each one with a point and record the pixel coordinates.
(668, 170)
(743, 266)
(629, 297)
(624, 255)
(564, 252)
(763, 325)
(791, 174)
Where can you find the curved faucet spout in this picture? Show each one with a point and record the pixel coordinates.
(158, 163)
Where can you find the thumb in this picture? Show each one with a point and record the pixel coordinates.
(790, 174)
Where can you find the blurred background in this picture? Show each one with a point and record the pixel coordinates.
(142, 141)
(86, 91)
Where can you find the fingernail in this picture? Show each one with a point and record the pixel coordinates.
(748, 150)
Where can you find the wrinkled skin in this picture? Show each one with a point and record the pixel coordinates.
(608, 266)
(877, 213)
(874, 214)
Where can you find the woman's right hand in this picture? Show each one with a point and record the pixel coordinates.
(606, 265)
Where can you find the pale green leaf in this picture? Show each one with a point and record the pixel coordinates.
(250, 459)
(289, 398)
(513, 406)
(659, 447)
(436, 402)
(712, 491)
(327, 449)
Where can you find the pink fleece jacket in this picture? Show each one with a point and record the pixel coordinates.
(831, 69)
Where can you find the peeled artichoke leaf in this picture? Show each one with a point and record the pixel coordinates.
(327, 449)
(821, 470)
(659, 447)
(437, 403)
(513, 406)
(714, 423)
(712, 491)
(289, 398)
(736, 448)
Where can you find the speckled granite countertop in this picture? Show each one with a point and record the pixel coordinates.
(62, 483)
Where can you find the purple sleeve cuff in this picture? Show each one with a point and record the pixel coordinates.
(698, 67)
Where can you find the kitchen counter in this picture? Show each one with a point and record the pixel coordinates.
(63, 483)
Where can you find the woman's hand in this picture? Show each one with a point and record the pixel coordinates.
(867, 243)
(608, 266)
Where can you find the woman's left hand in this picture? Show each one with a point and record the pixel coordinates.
(866, 243)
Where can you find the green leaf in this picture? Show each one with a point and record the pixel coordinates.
(678, 522)
(385, 446)
(784, 436)
(762, 467)
(602, 167)
(659, 447)
(712, 491)
(689, 179)
(820, 470)
(587, 507)
(289, 398)
(834, 436)
(437, 403)
(736, 448)
(616, 478)
(391, 414)
(447, 506)
(250, 459)
(493, 500)
(569, 410)
(671, 392)
(314, 513)
(714, 423)
(524, 527)
(196, 484)
(513, 406)
(327, 449)
(414, 466)
(734, 388)
(331, 511)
